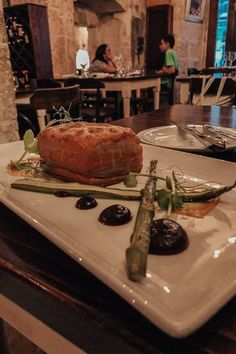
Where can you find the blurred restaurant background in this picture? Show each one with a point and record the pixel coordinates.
(46, 50)
(48, 34)
(41, 39)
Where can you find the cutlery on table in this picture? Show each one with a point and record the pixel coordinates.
(215, 143)
(210, 128)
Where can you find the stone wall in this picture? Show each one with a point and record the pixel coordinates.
(120, 31)
(191, 37)
(116, 30)
(8, 122)
(62, 36)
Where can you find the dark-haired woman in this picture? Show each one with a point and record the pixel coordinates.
(103, 61)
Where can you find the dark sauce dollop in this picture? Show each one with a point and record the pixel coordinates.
(86, 202)
(61, 194)
(114, 215)
(167, 237)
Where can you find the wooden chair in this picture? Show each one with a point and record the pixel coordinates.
(24, 123)
(209, 91)
(92, 105)
(142, 104)
(44, 100)
(193, 71)
(47, 83)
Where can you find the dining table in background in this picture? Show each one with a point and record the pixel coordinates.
(45, 100)
(23, 98)
(136, 83)
(227, 70)
(184, 84)
(43, 290)
(126, 84)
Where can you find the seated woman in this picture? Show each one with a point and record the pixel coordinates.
(103, 61)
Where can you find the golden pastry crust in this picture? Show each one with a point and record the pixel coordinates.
(94, 152)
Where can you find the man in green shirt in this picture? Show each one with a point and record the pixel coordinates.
(171, 64)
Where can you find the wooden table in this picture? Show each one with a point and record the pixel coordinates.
(46, 99)
(184, 87)
(126, 84)
(185, 83)
(39, 280)
(219, 69)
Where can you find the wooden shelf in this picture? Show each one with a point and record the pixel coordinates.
(30, 51)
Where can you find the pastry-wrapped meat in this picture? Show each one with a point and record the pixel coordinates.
(92, 153)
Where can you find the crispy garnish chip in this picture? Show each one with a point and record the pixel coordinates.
(198, 210)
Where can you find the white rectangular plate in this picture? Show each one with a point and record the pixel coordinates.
(180, 292)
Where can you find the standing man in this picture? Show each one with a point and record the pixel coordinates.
(171, 64)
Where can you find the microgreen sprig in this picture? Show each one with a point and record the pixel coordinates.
(62, 116)
(167, 198)
(131, 180)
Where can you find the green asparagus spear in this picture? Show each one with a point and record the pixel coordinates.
(136, 254)
(75, 189)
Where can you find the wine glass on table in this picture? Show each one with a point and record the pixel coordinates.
(116, 60)
(231, 58)
(226, 59)
(84, 72)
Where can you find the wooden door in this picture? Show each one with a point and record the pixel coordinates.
(40, 37)
(159, 23)
(231, 30)
(212, 29)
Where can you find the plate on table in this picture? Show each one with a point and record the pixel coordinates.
(68, 76)
(170, 137)
(101, 75)
(181, 292)
(134, 73)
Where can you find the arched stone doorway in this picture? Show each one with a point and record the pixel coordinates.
(119, 23)
(102, 6)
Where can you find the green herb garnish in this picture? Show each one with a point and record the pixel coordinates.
(62, 116)
(131, 181)
(30, 142)
(30, 145)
